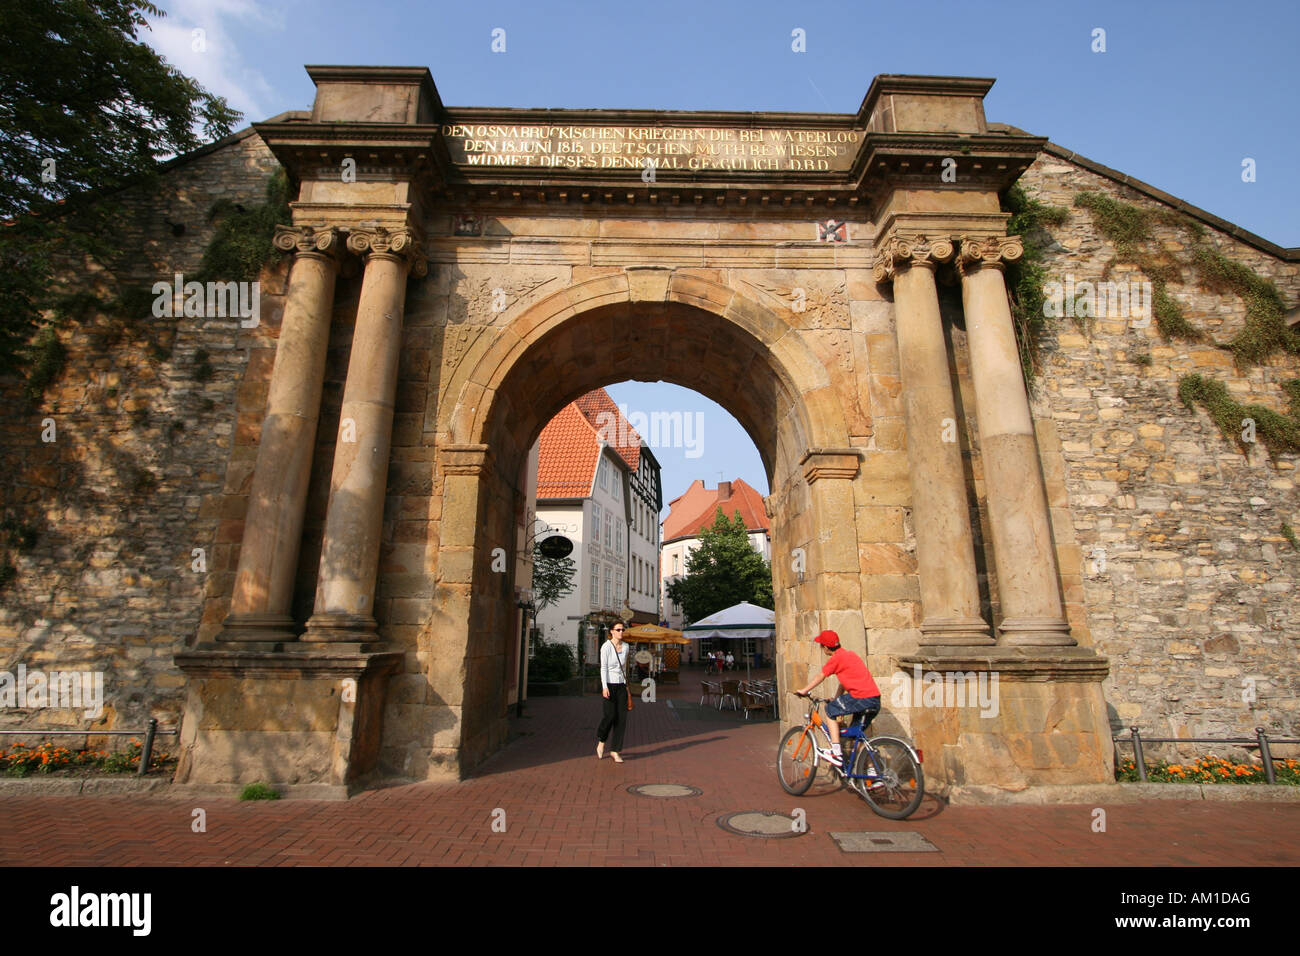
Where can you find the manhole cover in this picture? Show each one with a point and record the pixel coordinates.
(884, 842)
(665, 790)
(762, 823)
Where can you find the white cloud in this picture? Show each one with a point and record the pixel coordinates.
(201, 38)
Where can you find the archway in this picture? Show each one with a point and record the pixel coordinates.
(648, 325)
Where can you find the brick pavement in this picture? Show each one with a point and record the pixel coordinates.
(564, 807)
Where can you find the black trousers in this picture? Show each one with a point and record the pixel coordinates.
(614, 717)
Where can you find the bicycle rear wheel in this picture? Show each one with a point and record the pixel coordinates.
(900, 786)
(796, 760)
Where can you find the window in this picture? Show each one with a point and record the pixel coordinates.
(594, 539)
(618, 588)
(616, 486)
(609, 601)
(595, 586)
(618, 536)
(601, 473)
(676, 558)
(609, 529)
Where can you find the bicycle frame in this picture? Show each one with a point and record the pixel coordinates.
(853, 737)
(892, 780)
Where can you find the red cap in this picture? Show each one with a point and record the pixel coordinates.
(829, 638)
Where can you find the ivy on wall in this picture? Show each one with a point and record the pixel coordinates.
(1279, 433)
(1131, 230)
(1027, 276)
(240, 247)
(242, 244)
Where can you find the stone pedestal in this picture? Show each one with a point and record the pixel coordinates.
(1005, 717)
(283, 714)
(268, 556)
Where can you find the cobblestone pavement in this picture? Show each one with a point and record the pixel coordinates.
(559, 805)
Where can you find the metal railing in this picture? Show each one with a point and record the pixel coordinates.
(146, 752)
(1261, 740)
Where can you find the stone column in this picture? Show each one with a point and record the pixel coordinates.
(945, 548)
(1027, 575)
(345, 587)
(268, 556)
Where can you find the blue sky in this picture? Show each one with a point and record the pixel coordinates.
(1182, 94)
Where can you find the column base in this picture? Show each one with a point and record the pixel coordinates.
(331, 628)
(957, 632)
(1006, 718)
(289, 716)
(260, 628)
(1036, 632)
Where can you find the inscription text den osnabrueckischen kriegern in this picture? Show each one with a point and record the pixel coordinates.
(639, 147)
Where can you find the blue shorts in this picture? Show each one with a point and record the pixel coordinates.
(863, 709)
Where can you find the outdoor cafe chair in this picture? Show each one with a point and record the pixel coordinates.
(730, 689)
(754, 701)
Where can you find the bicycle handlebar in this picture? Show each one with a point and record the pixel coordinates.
(814, 699)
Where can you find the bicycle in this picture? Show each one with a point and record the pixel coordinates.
(884, 771)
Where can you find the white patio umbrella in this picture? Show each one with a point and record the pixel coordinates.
(738, 621)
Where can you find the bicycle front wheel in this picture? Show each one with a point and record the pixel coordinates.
(796, 760)
(898, 786)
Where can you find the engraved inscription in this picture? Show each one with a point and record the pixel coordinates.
(686, 148)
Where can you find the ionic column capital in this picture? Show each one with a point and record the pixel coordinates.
(400, 244)
(903, 251)
(994, 251)
(308, 240)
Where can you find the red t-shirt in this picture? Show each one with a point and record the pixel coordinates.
(853, 674)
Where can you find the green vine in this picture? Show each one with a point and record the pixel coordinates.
(1027, 276)
(46, 356)
(1265, 331)
(1279, 433)
(242, 243)
(1289, 534)
(1129, 230)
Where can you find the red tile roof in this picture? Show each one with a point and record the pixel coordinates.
(694, 510)
(570, 446)
(605, 417)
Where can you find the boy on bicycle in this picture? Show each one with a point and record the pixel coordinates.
(860, 694)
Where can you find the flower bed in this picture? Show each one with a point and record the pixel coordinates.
(1210, 769)
(22, 761)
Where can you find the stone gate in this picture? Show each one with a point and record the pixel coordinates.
(1027, 571)
(786, 266)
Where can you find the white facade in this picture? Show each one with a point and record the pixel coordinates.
(615, 536)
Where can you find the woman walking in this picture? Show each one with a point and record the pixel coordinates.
(613, 683)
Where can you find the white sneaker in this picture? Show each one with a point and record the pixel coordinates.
(831, 757)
